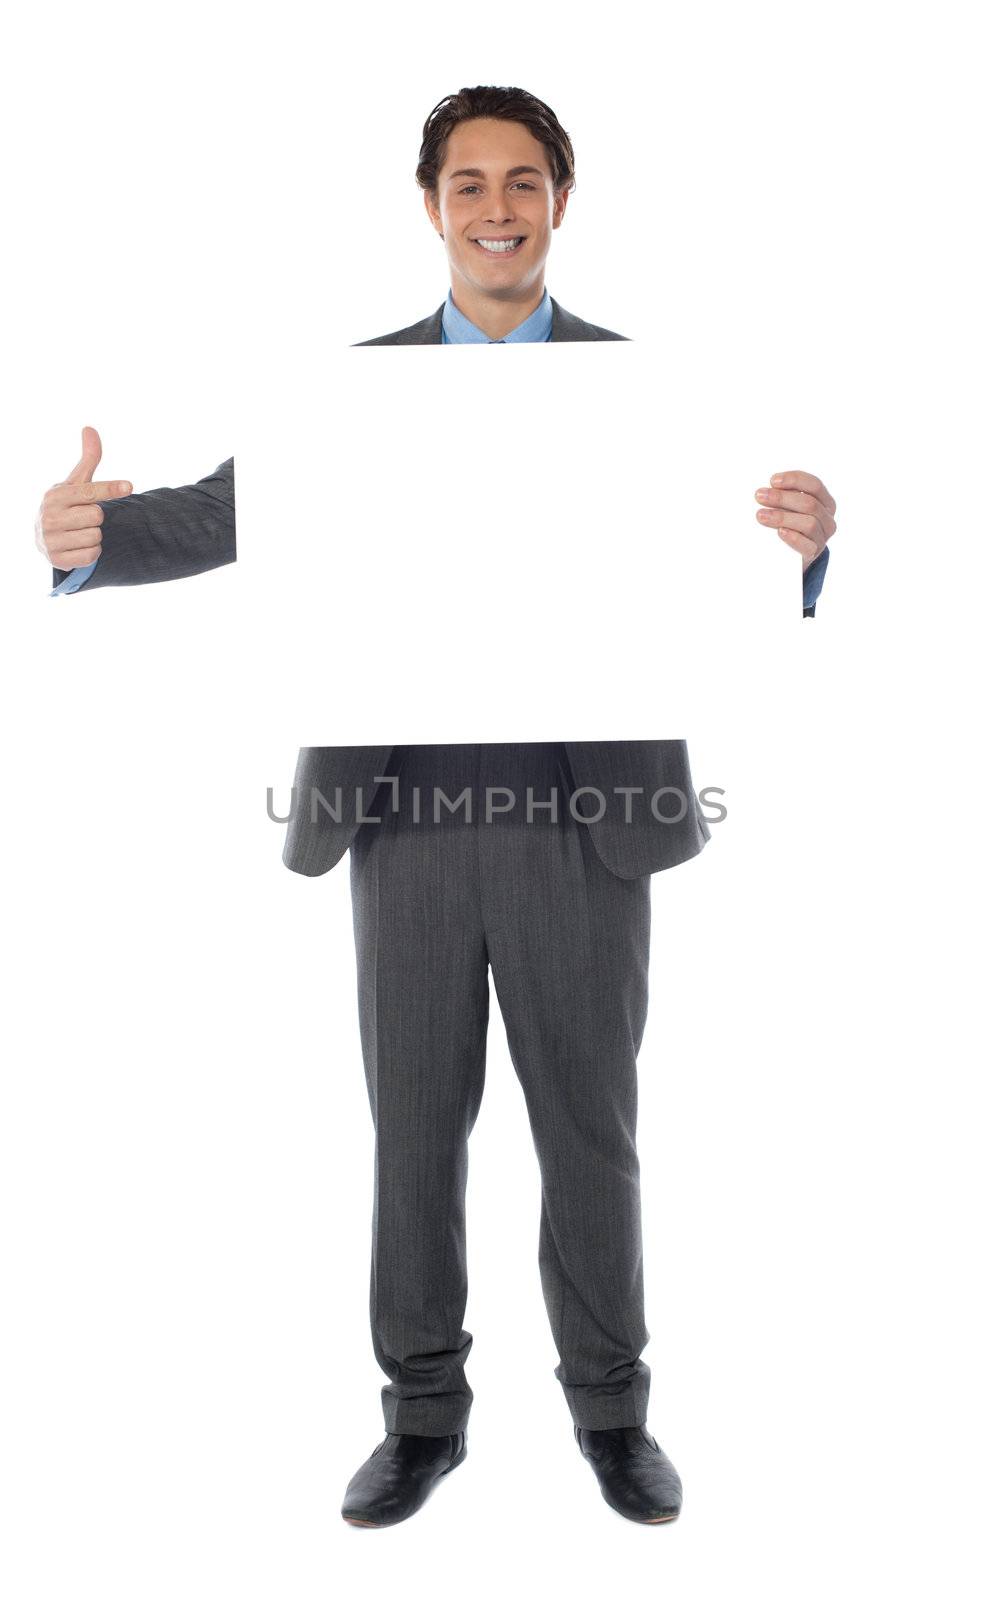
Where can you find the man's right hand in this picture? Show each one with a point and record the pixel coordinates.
(68, 526)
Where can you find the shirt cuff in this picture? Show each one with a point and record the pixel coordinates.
(75, 579)
(812, 579)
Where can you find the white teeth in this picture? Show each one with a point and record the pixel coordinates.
(499, 245)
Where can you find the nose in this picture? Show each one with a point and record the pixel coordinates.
(500, 208)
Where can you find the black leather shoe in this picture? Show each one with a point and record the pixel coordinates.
(635, 1475)
(396, 1480)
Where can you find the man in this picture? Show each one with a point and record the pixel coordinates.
(497, 168)
(98, 534)
(532, 861)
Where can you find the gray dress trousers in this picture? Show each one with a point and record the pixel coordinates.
(438, 906)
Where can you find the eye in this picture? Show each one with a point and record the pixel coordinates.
(469, 188)
(523, 185)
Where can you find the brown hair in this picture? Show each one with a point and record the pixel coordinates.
(511, 105)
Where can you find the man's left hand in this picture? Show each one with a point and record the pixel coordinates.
(800, 507)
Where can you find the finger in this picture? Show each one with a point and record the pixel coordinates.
(69, 559)
(69, 537)
(92, 450)
(812, 526)
(806, 481)
(798, 500)
(80, 494)
(806, 548)
(72, 539)
(69, 519)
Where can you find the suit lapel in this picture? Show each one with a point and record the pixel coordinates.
(565, 328)
(430, 330)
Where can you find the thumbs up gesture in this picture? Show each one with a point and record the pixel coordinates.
(67, 528)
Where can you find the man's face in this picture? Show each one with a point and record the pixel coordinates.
(495, 188)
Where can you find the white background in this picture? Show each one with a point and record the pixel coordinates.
(792, 196)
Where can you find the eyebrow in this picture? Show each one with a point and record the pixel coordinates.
(477, 172)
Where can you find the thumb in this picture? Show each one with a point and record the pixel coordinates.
(92, 450)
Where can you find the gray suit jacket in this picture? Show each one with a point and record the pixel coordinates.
(630, 850)
(565, 327)
(166, 533)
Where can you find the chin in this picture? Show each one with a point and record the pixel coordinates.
(503, 291)
(516, 283)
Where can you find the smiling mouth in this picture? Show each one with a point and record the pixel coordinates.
(500, 247)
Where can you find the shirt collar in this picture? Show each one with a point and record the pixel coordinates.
(535, 329)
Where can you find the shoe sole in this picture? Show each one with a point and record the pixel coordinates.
(360, 1522)
(646, 1521)
(670, 1516)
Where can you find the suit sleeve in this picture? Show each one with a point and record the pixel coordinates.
(166, 533)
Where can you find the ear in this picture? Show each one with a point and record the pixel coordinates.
(558, 209)
(434, 214)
